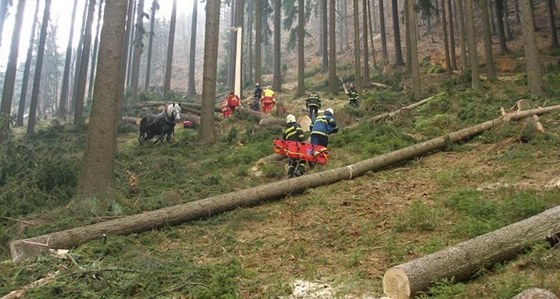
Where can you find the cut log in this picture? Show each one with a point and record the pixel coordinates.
(272, 121)
(461, 261)
(221, 203)
(386, 115)
(531, 125)
(38, 283)
(535, 293)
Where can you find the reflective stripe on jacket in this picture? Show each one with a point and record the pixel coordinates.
(324, 125)
(293, 132)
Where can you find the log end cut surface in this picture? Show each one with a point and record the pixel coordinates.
(396, 284)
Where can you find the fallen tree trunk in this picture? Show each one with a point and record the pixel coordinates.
(535, 293)
(386, 115)
(461, 261)
(221, 203)
(38, 283)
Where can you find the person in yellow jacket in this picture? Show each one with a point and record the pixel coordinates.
(268, 101)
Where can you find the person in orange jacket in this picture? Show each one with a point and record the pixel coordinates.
(230, 103)
(268, 101)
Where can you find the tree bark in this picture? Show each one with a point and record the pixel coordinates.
(207, 132)
(277, 78)
(448, 70)
(397, 33)
(258, 41)
(249, 197)
(191, 91)
(365, 56)
(471, 42)
(27, 71)
(384, 51)
(332, 47)
(84, 63)
(461, 261)
(38, 69)
(96, 177)
(357, 52)
(414, 65)
(533, 68)
(137, 53)
(301, 49)
(170, 44)
(153, 9)
(11, 68)
(490, 66)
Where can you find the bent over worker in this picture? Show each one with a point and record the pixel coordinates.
(322, 127)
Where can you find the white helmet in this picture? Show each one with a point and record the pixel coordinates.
(330, 110)
(290, 118)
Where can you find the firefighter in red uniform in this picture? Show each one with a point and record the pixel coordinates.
(267, 100)
(230, 103)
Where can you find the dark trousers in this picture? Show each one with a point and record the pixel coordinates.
(319, 139)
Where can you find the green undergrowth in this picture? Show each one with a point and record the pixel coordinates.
(344, 233)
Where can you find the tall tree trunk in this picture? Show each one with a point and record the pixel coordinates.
(207, 132)
(277, 78)
(11, 68)
(64, 90)
(500, 23)
(408, 63)
(94, 54)
(301, 49)
(96, 178)
(38, 69)
(553, 32)
(130, 40)
(448, 70)
(82, 79)
(344, 20)
(27, 67)
(384, 51)
(3, 12)
(249, 32)
(232, 43)
(324, 35)
(258, 40)
(191, 91)
(137, 52)
(332, 47)
(357, 52)
(238, 22)
(397, 34)
(79, 52)
(471, 42)
(153, 9)
(533, 68)
(452, 48)
(370, 18)
(365, 42)
(490, 66)
(179, 214)
(462, 34)
(415, 68)
(170, 44)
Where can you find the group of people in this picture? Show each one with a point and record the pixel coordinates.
(321, 127)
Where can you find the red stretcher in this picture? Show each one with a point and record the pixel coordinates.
(303, 151)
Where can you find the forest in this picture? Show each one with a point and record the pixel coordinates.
(441, 181)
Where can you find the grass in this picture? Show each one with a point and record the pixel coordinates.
(346, 233)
